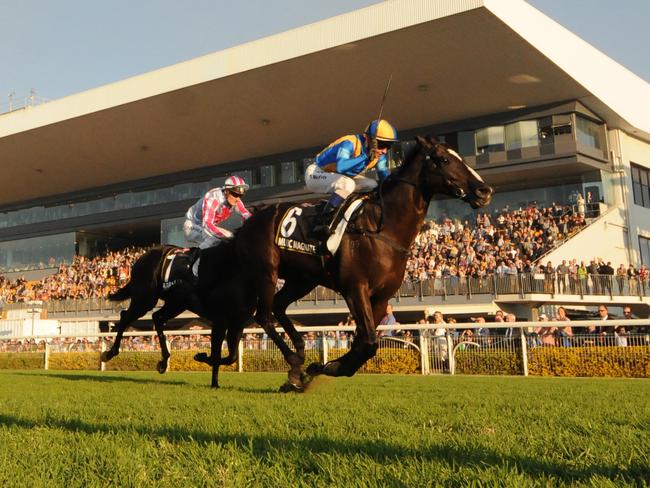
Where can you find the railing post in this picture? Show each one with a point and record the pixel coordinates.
(102, 348)
(420, 296)
(450, 352)
(494, 286)
(424, 352)
(169, 348)
(240, 356)
(47, 356)
(524, 350)
(324, 347)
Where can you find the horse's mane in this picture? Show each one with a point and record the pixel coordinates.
(409, 156)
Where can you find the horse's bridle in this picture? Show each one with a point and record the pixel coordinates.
(458, 192)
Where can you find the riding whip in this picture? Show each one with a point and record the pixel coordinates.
(383, 100)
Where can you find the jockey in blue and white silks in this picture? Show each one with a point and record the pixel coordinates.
(339, 168)
(202, 219)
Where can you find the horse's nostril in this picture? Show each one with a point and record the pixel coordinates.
(484, 191)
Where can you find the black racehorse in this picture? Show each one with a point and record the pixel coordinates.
(220, 295)
(369, 266)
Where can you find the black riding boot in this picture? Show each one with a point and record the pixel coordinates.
(188, 276)
(323, 221)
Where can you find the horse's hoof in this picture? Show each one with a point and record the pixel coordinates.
(161, 367)
(201, 357)
(305, 378)
(315, 369)
(106, 356)
(289, 387)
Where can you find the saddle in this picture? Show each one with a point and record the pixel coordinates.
(176, 266)
(295, 230)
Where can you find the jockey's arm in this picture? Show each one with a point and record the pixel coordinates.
(211, 211)
(382, 167)
(222, 233)
(241, 209)
(348, 165)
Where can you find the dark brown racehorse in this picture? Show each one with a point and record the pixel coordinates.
(369, 266)
(220, 296)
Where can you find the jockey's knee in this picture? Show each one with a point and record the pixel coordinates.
(364, 184)
(344, 186)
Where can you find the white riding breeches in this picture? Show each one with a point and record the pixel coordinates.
(320, 181)
(197, 235)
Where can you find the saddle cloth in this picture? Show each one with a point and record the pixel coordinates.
(174, 266)
(294, 231)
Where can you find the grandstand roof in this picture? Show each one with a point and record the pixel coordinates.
(450, 60)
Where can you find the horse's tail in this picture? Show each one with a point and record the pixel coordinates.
(121, 294)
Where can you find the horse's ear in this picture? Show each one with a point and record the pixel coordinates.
(422, 141)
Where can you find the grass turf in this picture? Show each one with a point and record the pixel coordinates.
(141, 429)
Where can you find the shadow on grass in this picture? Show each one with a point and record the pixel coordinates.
(114, 378)
(379, 450)
(105, 378)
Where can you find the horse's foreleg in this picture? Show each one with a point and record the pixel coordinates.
(233, 337)
(364, 345)
(160, 317)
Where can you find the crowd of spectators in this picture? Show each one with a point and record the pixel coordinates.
(84, 278)
(505, 243)
(508, 241)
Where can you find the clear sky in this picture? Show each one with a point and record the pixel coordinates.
(61, 47)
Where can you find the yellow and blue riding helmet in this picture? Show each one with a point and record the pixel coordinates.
(382, 131)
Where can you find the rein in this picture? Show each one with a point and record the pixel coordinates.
(376, 234)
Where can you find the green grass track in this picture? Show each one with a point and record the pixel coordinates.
(81, 429)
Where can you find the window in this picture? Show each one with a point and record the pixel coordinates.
(267, 175)
(641, 185)
(644, 247)
(589, 133)
(466, 143)
(522, 134)
(287, 172)
(490, 139)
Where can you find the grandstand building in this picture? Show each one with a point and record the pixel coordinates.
(541, 114)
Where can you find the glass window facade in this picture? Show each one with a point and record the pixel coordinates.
(641, 185)
(644, 247)
(37, 253)
(490, 139)
(589, 133)
(171, 232)
(522, 134)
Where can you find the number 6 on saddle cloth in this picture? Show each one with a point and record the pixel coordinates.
(295, 230)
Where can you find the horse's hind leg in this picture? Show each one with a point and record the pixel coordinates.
(160, 317)
(292, 290)
(127, 317)
(216, 341)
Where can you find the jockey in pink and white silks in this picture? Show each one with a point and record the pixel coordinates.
(201, 226)
(339, 168)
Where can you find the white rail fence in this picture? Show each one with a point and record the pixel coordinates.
(586, 348)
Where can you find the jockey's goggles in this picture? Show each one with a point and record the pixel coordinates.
(385, 144)
(238, 191)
